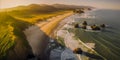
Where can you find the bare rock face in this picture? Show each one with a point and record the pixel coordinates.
(68, 54)
(56, 51)
(38, 41)
(62, 54)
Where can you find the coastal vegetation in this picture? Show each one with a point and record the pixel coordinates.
(13, 21)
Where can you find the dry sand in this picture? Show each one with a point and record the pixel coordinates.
(49, 27)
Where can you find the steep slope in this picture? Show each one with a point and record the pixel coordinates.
(11, 37)
(13, 43)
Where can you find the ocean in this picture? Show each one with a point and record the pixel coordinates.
(107, 41)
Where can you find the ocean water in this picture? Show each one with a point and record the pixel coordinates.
(107, 41)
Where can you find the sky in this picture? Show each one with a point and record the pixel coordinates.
(104, 4)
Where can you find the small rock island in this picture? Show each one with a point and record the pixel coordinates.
(92, 27)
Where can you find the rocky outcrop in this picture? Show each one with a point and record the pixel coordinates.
(38, 41)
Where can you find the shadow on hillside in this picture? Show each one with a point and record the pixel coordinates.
(13, 46)
(28, 44)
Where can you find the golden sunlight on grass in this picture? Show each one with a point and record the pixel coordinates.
(38, 17)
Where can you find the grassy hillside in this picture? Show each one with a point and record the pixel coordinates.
(13, 43)
(11, 29)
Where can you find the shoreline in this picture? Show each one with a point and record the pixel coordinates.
(38, 37)
(49, 28)
(52, 26)
(77, 42)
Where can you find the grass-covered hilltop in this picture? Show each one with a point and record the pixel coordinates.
(13, 21)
